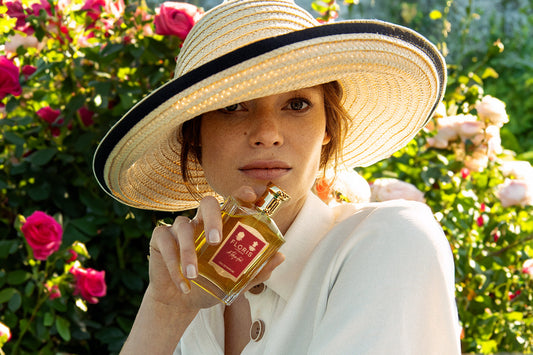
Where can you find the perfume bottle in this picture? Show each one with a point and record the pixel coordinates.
(249, 239)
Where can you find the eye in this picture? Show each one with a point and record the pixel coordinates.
(232, 108)
(298, 104)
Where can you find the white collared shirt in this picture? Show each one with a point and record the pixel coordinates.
(367, 279)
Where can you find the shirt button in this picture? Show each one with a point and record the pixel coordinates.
(257, 289)
(257, 330)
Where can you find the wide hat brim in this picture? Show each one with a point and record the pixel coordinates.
(392, 79)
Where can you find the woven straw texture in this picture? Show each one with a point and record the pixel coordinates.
(391, 87)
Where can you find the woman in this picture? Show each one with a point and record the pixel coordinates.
(263, 93)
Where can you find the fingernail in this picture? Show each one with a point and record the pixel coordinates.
(185, 288)
(214, 236)
(191, 271)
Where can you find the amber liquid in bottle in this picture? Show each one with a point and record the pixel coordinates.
(249, 239)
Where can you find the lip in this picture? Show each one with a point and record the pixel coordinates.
(265, 169)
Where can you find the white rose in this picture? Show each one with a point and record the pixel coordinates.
(518, 169)
(468, 126)
(446, 131)
(385, 189)
(515, 193)
(493, 110)
(352, 186)
(17, 40)
(440, 111)
(494, 141)
(477, 161)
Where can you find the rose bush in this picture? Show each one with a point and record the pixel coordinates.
(50, 277)
(68, 71)
(481, 195)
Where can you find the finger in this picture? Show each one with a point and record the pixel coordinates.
(209, 214)
(164, 243)
(183, 232)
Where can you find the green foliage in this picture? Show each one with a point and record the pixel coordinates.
(490, 240)
(92, 72)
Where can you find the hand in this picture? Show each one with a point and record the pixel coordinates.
(173, 259)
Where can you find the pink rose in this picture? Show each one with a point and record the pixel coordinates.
(16, 10)
(4, 332)
(43, 234)
(28, 70)
(86, 116)
(93, 8)
(112, 10)
(9, 78)
(53, 291)
(90, 283)
(48, 114)
(42, 5)
(515, 193)
(73, 256)
(527, 267)
(385, 189)
(176, 18)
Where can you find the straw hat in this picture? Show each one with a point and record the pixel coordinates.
(392, 79)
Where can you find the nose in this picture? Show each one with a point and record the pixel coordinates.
(265, 130)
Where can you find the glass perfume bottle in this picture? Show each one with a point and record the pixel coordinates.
(249, 239)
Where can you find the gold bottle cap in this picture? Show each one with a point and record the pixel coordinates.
(271, 199)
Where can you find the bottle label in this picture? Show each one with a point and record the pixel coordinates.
(239, 250)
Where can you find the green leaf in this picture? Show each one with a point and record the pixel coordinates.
(14, 138)
(15, 302)
(42, 157)
(85, 225)
(17, 277)
(63, 328)
(6, 294)
(48, 319)
(7, 247)
(28, 290)
(40, 192)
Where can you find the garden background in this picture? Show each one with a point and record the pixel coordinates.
(70, 69)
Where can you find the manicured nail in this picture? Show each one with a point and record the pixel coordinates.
(214, 236)
(191, 271)
(185, 288)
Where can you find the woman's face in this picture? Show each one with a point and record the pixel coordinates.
(276, 138)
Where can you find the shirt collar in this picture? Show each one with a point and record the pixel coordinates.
(312, 223)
